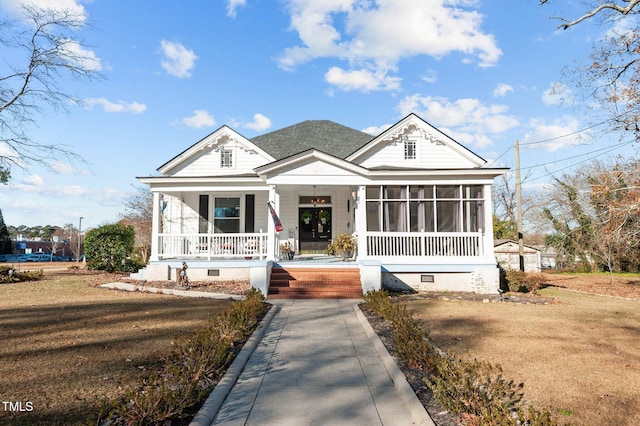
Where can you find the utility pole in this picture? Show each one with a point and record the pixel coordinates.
(519, 207)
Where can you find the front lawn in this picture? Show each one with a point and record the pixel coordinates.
(578, 357)
(66, 344)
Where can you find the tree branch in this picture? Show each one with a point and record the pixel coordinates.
(624, 10)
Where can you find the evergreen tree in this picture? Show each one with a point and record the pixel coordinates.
(5, 238)
(108, 247)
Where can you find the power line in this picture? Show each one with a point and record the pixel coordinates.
(500, 156)
(567, 135)
(551, 139)
(606, 148)
(610, 149)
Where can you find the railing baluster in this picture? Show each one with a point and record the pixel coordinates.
(430, 244)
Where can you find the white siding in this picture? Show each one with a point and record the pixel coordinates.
(190, 213)
(207, 163)
(429, 155)
(262, 213)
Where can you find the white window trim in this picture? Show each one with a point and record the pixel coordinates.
(240, 218)
(405, 141)
(232, 153)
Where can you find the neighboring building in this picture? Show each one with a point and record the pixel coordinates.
(24, 246)
(418, 203)
(508, 256)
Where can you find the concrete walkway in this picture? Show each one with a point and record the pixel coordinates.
(317, 362)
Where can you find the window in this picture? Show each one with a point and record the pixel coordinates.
(425, 208)
(226, 215)
(409, 149)
(226, 158)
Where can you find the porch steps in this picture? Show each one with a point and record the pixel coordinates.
(315, 283)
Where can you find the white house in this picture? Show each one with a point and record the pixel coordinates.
(418, 203)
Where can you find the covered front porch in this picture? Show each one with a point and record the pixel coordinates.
(425, 224)
(405, 233)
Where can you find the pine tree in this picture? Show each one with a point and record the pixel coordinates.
(5, 238)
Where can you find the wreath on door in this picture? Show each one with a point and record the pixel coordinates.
(306, 217)
(323, 216)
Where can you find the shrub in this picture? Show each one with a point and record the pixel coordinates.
(410, 340)
(108, 246)
(10, 275)
(524, 282)
(191, 372)
(476, 388)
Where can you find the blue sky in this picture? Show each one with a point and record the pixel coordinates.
(482, 71)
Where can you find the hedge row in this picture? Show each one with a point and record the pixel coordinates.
(191, 372)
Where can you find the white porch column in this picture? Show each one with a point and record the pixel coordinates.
(361, 221)
(488, 223)
(155, 226)
(274, 198)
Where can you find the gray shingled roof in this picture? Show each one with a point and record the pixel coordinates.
(323, 135)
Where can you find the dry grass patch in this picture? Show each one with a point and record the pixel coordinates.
(66, 345)
(579, 358)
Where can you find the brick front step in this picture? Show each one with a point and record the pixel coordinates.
(315, 283)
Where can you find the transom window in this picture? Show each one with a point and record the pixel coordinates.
(226, 158)
(425, 208)
(409, 149)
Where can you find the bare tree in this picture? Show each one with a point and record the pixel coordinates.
(44, 52)
(57, 241)
(599, 8)
(611, 76)
(72, 235)
(139, 213)
(506, 207)
(595, 214)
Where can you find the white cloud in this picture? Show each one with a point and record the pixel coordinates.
(376, 130)
(556, 94)
(430, 76)
(468, 118)
(178, 61)
(365, 34)
(554, 135)
(72, 6)
(62, 168)
(85, 58)
(120, 106)
(200, 118)
(32, 180)
(260, 122)
(362, 80)
(502, 90)
(233, 5)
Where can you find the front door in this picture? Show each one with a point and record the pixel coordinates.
(315, 229)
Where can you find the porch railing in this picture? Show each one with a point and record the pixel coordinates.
(421, 244)
(210, 246)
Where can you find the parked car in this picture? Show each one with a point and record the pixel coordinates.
(38, 257)
(15, 258)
